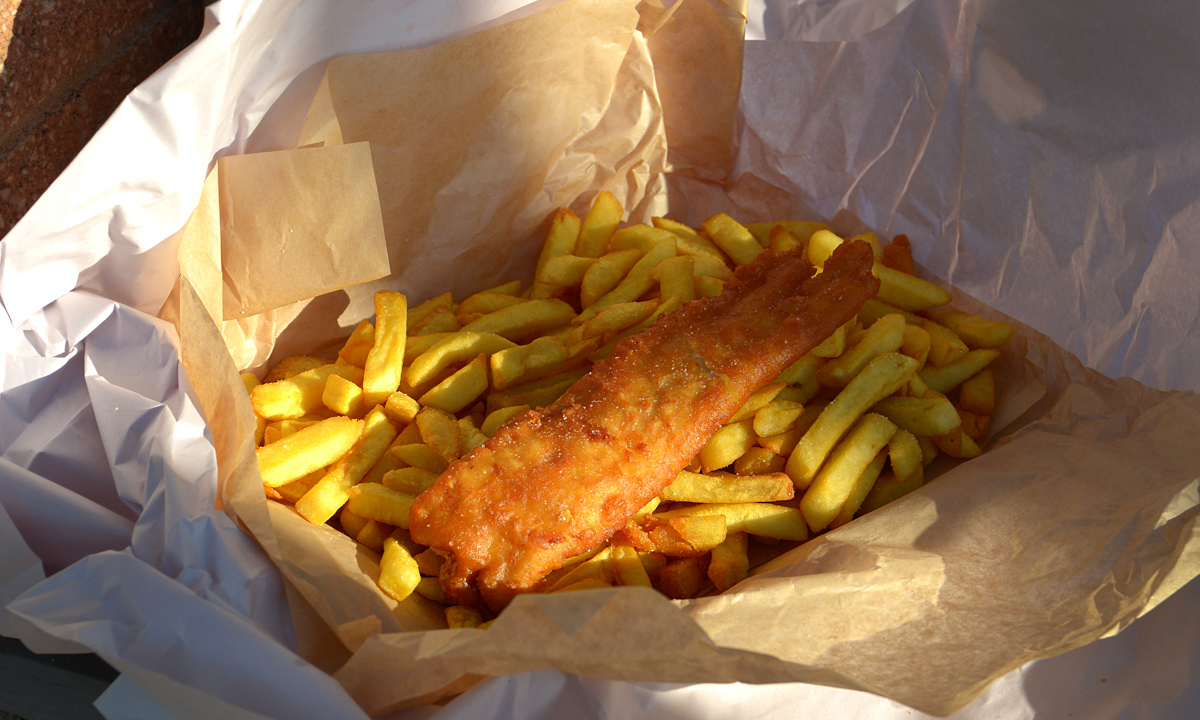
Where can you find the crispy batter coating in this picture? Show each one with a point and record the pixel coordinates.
(553, 484)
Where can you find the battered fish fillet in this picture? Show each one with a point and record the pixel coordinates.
(553, 484)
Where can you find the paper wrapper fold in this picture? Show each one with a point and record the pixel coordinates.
(1080, 517)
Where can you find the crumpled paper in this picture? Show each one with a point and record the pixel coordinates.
(111, 472)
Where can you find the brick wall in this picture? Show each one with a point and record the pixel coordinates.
(65, 65)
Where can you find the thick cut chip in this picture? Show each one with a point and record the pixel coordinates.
(527, 320)
(298, 395)
(776, 416)
(410, 480)
(398, 574)
(757, 401)
(698, 488)
(860, 490)
(599, 225)
(760, 519)
(560, 240)
(727, 445)
(385, 362)
(422, 456)
(835, 483)
(760, 461)
(677, 537)
(730, 563)
(523, 363)
(376, 502)
(693, 243)
(307, 450)
(452, 350)
(888, 488)
(947, 377)
(879, 379)
(330, 493)
(636, 282)
(802, 230)
(626, 565)
(922, 416)
(974, 330)
(733, 238)
(460, 389)
(343, 397)
(440, 431)
(885, 335)
(944, 346)
(605, 274)
(565, 271)
(977, 394)
(683, 578)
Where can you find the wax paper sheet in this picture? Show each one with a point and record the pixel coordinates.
(948, 121)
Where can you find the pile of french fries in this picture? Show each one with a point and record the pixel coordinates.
(848, 428)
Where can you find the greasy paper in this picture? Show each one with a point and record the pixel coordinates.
(1079, 519)
(296, 224)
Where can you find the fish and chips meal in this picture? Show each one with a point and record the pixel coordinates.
(663, 406)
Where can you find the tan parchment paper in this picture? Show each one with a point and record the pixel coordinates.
(1080, 516)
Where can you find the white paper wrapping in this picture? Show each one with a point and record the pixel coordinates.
(1051, 167)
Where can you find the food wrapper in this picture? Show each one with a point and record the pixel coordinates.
(128, 486)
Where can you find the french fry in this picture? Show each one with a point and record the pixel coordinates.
(431, 589)
(613, 319)
(523, 363)
(401, 408)
(331, 491)
(781, 240)
(524, 321)
(835, 344)
(730, 563)
(460, 389)
(707, 286)
(915, 344)
(298, 395)
(641, 237)
(758, 400)
(734, 239)
(343, 397)
(889, 487)
(676, 276)
(834, 484)
(496, 419)
(409, 480)
(880, 378)
(372, 535)
(885, 335)
(483, 303)
(698, 488)
(376, 502)
(452, 350)
(536, 393)
(947, 377)
(975, 331)
(565, 271)
(351, 523)
(904, 453)
(459, 617)
(802, 230)
(440, 431)
(683, 578)
(957, 443)
(307, 450)
(975, 426)
(760, 519)
(418, 313)
(605, 274)
(594, 565)
(292, 366)
(692, 243)
(907, 292)
(776, 416)
(944, 346)
(293, 491)
(560, 240)
(875, 308)
(760, 461)
(727, 444)
(625, 564)
(382, 371)
(361, 339)
(859, 491)
(441, 320)
(420, 455)
(599, 225)
(635, 282)
(418, 344)
(398, 574)
(977, 394)
(927, 416)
